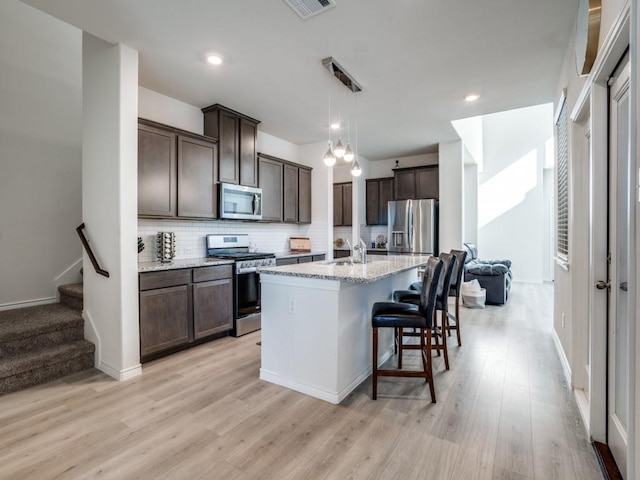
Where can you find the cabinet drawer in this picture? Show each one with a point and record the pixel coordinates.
(317, 258)
(286, 261)
(206, 274)
(167, 278)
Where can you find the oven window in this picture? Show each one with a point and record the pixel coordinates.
(248, 293)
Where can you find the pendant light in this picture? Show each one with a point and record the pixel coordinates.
(338, 150)
(348, 153)
(329, 158)
(356, 171)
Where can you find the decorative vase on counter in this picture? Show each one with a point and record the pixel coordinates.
(165, 246)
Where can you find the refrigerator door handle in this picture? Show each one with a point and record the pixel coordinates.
(410, 227)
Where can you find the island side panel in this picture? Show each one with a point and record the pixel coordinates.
(316, 334)
(299, 332)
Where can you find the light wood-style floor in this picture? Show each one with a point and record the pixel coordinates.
(503, 412)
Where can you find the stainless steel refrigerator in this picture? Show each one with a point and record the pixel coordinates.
(413, 226)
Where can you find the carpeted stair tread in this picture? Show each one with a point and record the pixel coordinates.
(23, 323)
(51, 371)
(29, 361)
(72, 289)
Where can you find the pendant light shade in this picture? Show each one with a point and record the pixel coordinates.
(348, 154)
(329, 158)
(339, 149)
(356, 171)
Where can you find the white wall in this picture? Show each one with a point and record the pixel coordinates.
(451, 198)
(510, 193)
(160, 108)
(40, 153)
(109, 203)
(470, 201)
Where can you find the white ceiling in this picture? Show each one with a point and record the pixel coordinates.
(415, 59)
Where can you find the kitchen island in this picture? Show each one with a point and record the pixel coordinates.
(316, 326)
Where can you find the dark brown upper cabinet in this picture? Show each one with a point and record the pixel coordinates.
(342, 204)
(415, 183)
(379, 191)
(304, 195)
(290, 193)
(236, 134)
(176, 173)
(286, 190)
(157, 184)
(197, 196)
(270, 181)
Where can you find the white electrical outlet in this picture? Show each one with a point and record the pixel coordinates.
(292, 305)
(562, 320)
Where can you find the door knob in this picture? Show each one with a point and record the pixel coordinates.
(602, 285)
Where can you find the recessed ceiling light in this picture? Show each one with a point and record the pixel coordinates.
(214, 59)
(471, 97)
(335, 126)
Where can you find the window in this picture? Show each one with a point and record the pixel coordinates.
(562, 192)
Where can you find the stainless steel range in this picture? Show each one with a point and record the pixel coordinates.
(246, 285)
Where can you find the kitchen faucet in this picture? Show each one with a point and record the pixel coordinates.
(361, 247)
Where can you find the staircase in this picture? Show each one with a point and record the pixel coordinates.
(39, 344)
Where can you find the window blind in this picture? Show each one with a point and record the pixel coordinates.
(562, 193)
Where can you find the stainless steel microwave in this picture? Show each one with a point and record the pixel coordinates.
(239, 202)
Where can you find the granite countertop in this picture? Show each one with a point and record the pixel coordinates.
(375, 269)
(298, 254)
(182, 263)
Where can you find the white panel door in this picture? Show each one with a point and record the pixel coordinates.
(620, 198)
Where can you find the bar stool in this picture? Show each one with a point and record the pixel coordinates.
(454, 291)
(405, 315)
(442, 304)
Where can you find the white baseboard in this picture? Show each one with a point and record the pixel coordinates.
(28, 303)
(120, 375)
(583, 407)
(91, 334)
(566, 368)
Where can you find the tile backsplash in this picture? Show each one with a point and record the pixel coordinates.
(368, 233)
(190, 236)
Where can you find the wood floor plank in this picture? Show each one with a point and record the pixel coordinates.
(503, 411)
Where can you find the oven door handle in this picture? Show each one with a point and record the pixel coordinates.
(240, 271)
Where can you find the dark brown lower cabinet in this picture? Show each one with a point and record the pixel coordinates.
(299, 259)
(212, 307)
(183, 306)
(165, 319)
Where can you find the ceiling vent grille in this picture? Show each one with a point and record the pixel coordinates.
(309, 8)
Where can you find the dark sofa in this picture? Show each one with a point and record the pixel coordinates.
(493, 275)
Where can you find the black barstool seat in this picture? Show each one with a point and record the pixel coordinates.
(392, 314)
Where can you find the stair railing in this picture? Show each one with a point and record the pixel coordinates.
(92, 257)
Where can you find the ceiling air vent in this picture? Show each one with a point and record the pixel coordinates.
(309, 8)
